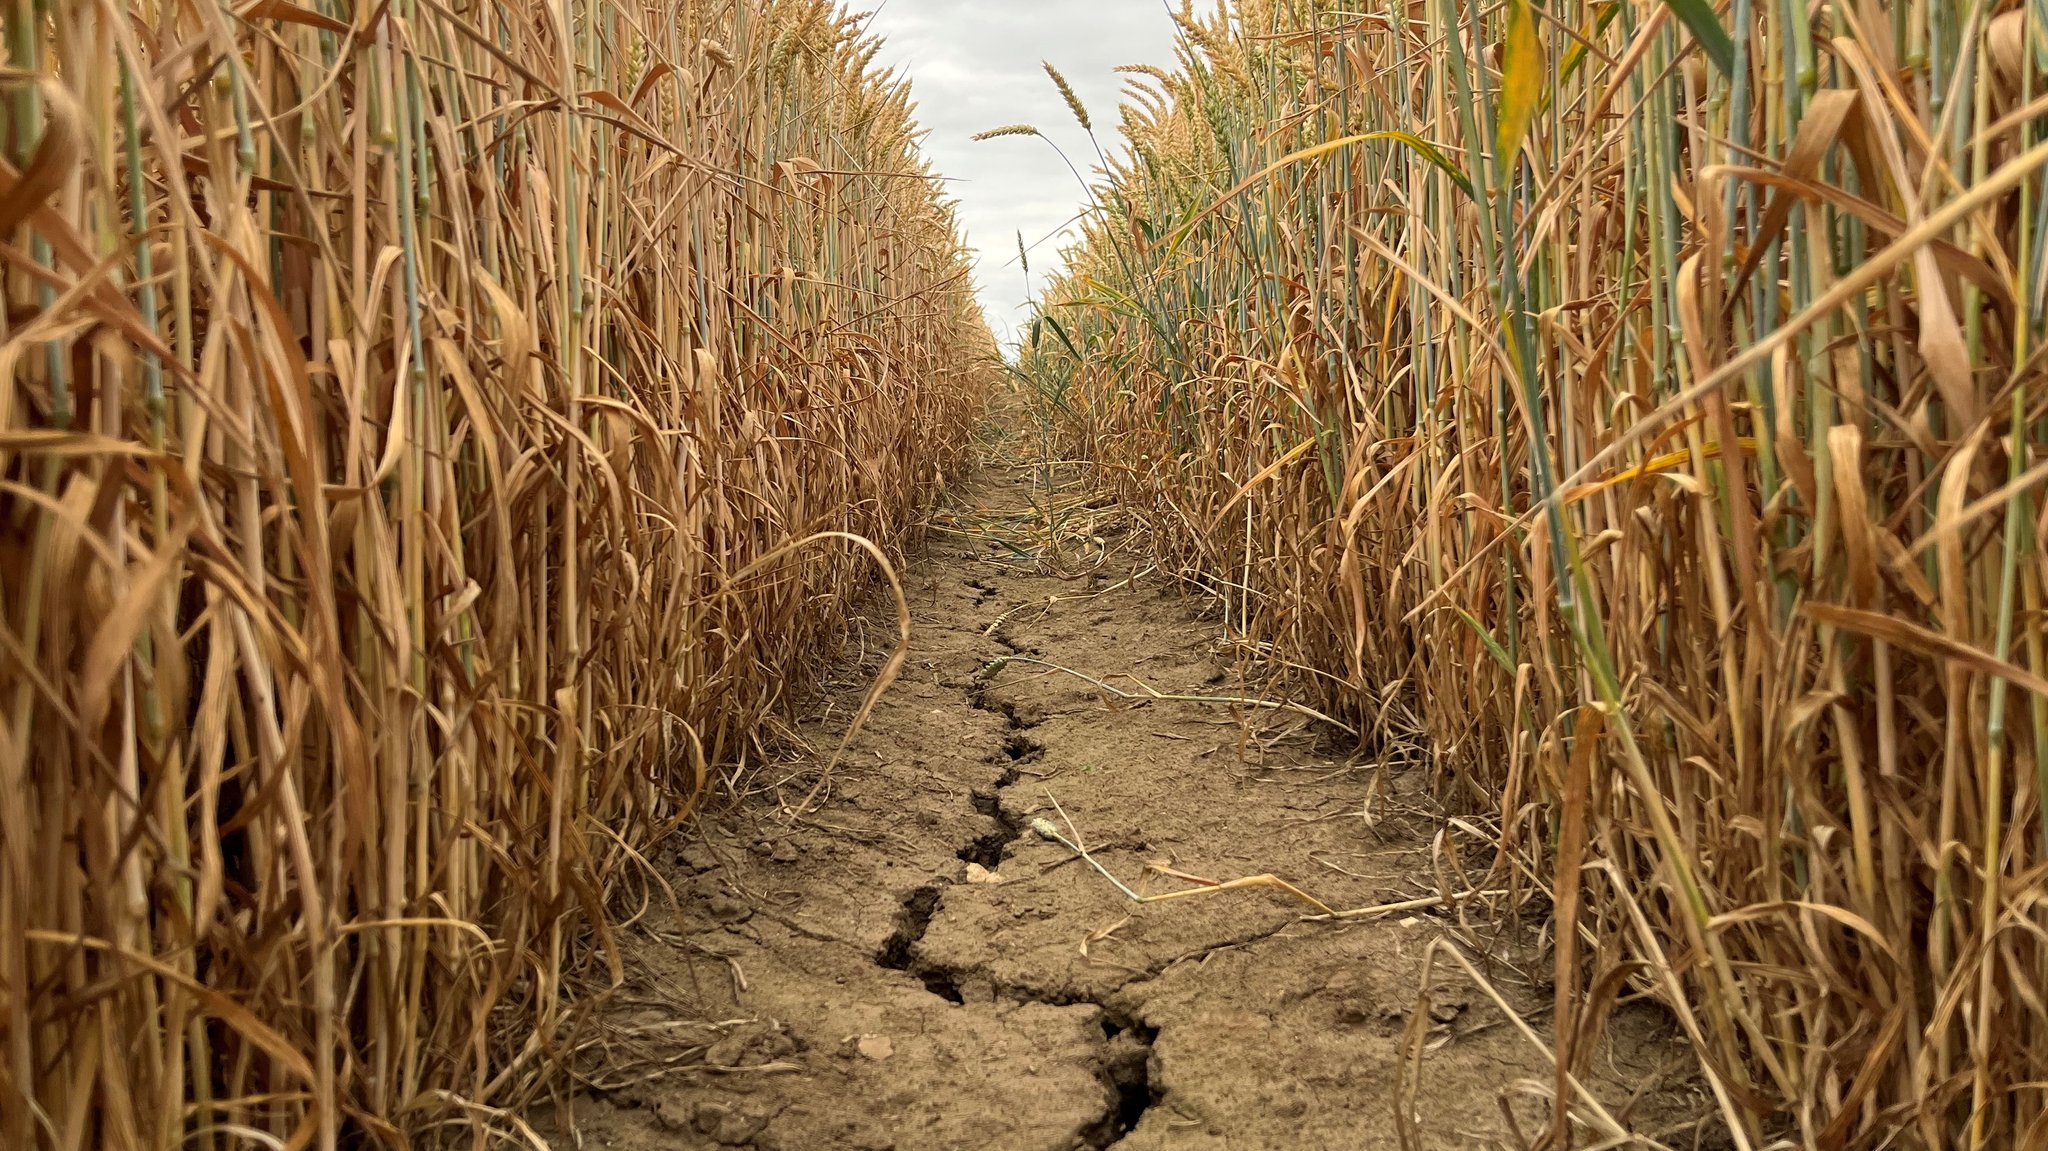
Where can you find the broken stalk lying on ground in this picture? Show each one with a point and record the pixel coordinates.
(1046, 830)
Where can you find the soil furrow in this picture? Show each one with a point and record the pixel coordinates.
(910, 968)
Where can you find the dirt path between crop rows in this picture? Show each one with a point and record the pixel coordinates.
(911, 968)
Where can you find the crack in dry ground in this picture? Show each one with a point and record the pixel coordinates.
(1125, 1066)
(909, 969)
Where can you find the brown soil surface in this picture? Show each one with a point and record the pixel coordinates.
(853, 980)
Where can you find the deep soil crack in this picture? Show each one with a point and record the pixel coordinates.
(1023, 749)
(1128, 1072)
(1125, 1069)
(898, 951)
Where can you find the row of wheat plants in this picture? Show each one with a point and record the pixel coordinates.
(1651, 392)
(411, 413)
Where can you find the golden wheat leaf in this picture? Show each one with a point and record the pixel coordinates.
(1521, 88)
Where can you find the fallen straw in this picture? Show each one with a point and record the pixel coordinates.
(1045, 829)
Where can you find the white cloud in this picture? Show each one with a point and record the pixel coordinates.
(974, 65)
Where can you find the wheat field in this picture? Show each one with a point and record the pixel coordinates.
(435, 436)
(443, 441)
(1650, 396)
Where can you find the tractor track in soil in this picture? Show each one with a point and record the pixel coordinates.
(843, 983)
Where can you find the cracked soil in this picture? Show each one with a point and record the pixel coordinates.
(909, 968)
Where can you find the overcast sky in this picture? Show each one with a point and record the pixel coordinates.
(974, 65)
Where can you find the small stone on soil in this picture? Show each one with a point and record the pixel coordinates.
(697, 857)
(752, 1044)
(725, 1125)
(726, 909)
(710, 1115)
(875, 1047)
(785, 852)
(673, 1114)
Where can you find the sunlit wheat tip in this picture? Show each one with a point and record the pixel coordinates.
(1067, 94)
